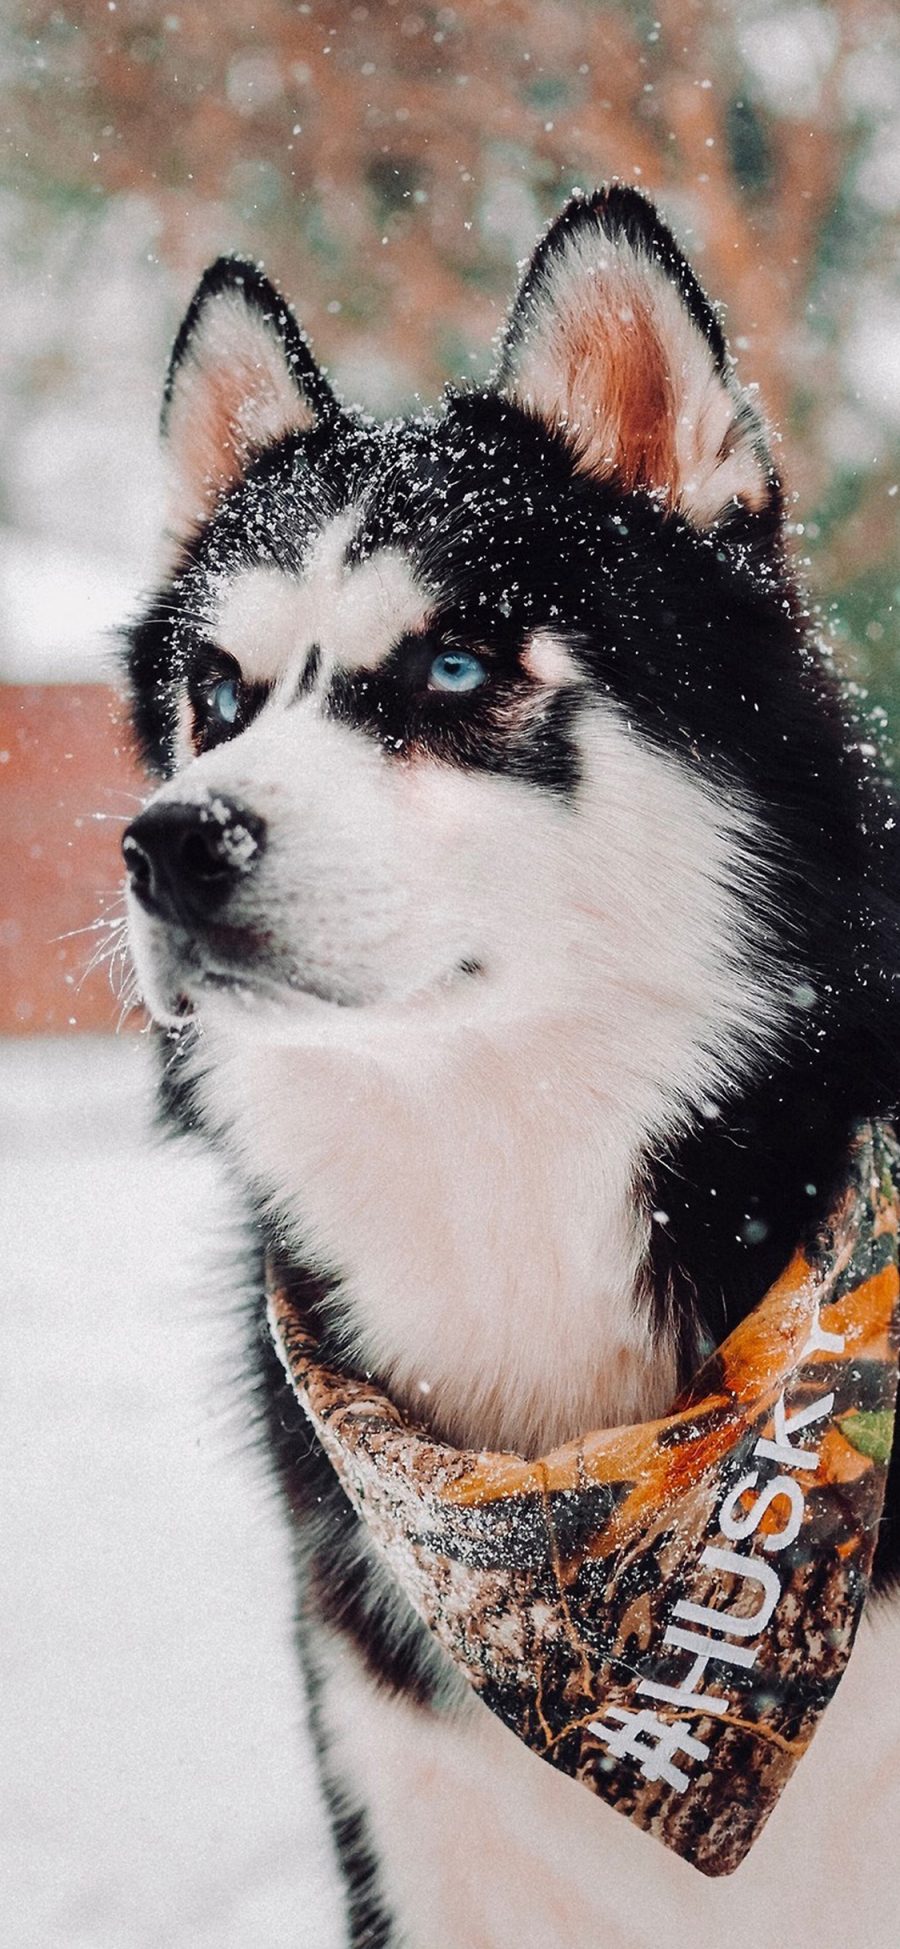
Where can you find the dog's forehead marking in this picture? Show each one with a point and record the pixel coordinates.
(549, 660)
(269, 619)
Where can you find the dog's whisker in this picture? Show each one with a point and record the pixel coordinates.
(91, 927)
(114, 941)
(121, 792)
(129, 999)
(97, 960)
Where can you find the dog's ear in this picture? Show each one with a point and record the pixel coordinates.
(241, 377)
(612, 341)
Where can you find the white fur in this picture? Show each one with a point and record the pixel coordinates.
(548, 660)
(463, 1150)
(354, 616)
(467, 1157)
(484, 1846)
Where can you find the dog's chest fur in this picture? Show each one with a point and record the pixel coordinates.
(477, 1219)
(484, 1844)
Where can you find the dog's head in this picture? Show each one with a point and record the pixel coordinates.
(484, 714)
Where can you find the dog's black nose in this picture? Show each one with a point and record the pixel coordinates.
(184, 860)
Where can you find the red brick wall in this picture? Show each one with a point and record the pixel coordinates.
(68, 785)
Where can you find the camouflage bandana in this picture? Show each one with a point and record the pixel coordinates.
(662, 1611)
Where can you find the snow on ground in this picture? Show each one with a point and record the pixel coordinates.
(157, 1782)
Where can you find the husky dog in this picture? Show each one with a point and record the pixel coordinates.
(517, 911)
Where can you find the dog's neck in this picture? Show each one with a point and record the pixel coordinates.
(477, 1207)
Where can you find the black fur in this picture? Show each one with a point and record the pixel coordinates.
(309, 673)
(332, 1586)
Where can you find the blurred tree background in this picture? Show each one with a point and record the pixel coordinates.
(391, 163)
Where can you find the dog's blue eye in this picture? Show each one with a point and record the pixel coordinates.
(456, 670)
(225, 700)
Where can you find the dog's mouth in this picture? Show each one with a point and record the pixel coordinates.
(245, 966)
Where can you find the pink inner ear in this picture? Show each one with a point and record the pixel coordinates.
(235, 395)
(618, 388)
(220, 452)
(609, 350)
(243, 410)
